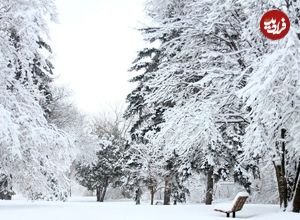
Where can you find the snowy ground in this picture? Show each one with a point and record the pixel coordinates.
(86, 209)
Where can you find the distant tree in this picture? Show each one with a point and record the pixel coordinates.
(105, 171)
(107, 168)
(174, 177)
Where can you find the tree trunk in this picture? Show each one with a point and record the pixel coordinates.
(103, 194)
(296, 191)
(167, 193)
(210, 186)
(137, 198)
(296, 179)
(280, 175)
(152, 192)
(296, 200)
(104, 189)
(282, 187)
(98, 193)
(284, 181)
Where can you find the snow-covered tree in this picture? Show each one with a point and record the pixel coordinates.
(174, 178)
(105, 171)
(197, 73)
(34, 154)
(232, 94)
(271, 95)
(144, 159)
(144, 168)
(107, 167)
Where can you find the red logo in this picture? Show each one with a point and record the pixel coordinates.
(275, 24)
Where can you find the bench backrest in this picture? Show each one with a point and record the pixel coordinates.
(239, 203)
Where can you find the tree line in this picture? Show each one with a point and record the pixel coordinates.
(215, 97)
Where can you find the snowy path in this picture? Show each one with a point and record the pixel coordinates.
(86, 210)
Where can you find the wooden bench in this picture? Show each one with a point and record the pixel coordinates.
(237, 204)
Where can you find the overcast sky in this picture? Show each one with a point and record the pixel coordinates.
(94, 44)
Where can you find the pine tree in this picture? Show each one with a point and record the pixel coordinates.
(100, 174)
(107, 169)
(174, 178)
(145, 118)
(199, 73)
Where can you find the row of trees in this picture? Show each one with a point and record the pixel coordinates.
(216, 97)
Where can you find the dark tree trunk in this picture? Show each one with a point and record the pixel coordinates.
(98, 193)
(152, 192)
(279, 183)
(210, 186)
(103, 194)
(104, 189)
(280, 174)
(167, 193)
(138, 194)
(296, 202)
(284, 181)
(282, 186)
(296, 178)
(296, 190)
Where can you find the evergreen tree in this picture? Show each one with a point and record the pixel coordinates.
(199, 74)
(105, 171)
(174, 179)
(107, 168)
(144, 118)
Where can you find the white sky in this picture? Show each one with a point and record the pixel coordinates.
(94, 44)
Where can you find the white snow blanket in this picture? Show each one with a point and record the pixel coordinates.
(87, 209)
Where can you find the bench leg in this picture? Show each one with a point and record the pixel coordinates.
(233, 214)
(227, 214)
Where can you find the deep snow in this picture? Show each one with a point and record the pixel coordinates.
(87, 209)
